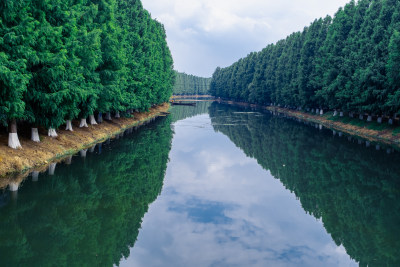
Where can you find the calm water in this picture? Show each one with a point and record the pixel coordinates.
(214, 185)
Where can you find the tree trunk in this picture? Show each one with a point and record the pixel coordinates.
(369, 118)
(83, 153)
(69, 126)
(379, 120)
(378, 147)
(321, 112)
(35, 176)
(100, 146)
(317, 111)
(91, 150)
(335, 113)
(108, 116)
(351, 115)
(92, 120)
(52, 132)
(35, 135)
(340, 134)
(361, 117)
(100, 118)
(341, 114)
(83, 123)
(13, 140)
(367, 143)
(117, 115)
(68, 160)
(390, 122)
(320, 126)
(13, 186)
(52, 168)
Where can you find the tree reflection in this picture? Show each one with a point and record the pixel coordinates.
(352, 188)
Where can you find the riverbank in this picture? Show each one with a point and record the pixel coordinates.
(382, 133)
(39, 155)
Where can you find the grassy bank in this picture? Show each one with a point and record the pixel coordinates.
(372, 131)
(39, 155)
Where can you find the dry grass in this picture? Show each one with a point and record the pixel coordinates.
(38, 155)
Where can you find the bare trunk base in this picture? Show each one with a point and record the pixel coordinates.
(335, 113)
(361, 117)
(52, 132)
(83, 153)
(379, 120)
(321, 112)
(92, 120)
(83, 123)
(35, 135)
(100, 118)
(69, 126)
(13, 141)
(52, 168)
(68, 161)
(369, 119)
(91, 150)
(13, 187)
(117, 115)
(35, 176)
(108, 116)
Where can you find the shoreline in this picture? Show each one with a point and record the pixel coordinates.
(16, 164)
(380, 136)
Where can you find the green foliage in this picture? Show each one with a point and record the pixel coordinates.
(67, 59)
(187, 84)
(349, 62)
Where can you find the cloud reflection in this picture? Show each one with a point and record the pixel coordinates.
(220, 208)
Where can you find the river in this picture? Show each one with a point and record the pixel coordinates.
(211, 185)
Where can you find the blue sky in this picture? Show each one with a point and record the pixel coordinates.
(205, 34)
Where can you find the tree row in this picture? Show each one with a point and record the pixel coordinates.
(349, 63)
(74, 59)
(186, 84)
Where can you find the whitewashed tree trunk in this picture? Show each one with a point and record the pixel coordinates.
(91, 150)
(108, 116)
(390, 122)
(361, 117)
(335, 113)
(378, 147)
(334, 132)
(92, 120)
(13, 186)
(341, 114)
(351, 115)
(35, 135)
(340, 134)
(35, 176)
(360, 142)
(100, 117)
(52, 132)
(117, 115)
(83, 123)
(379, 120)
(69, 126)
(68, 161)
(317, 111)
(321, 112)
(52, 168)
(369, 119)
(13, 140)
(320, 127)
(367, 143)
(83, 153)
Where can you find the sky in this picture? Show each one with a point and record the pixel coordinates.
(205, 34)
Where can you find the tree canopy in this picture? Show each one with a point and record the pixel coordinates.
(348, 63)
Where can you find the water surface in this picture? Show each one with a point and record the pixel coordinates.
(214, 185)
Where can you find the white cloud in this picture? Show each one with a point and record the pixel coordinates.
(204, 34)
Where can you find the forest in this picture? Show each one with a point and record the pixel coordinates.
(77, 59)
(87, 213)
(350, 186)
(186, 84)
(348, 64)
